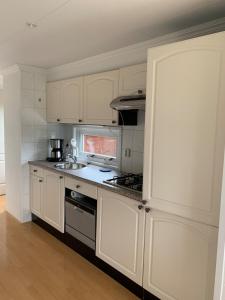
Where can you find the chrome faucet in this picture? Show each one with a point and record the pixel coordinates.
(73, 157)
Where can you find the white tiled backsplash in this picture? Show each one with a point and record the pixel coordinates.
(132, 138)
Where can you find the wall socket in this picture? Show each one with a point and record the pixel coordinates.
(127, 152)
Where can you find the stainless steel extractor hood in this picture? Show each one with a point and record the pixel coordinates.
(129, 102)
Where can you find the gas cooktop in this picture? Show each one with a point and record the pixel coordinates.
(132, 182)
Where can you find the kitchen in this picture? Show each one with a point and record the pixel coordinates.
(122, 161)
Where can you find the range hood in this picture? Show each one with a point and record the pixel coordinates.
(129, 102)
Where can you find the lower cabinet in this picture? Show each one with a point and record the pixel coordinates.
(120, 234)
(47, 198)
(171, 257)
(179, 258)
(37, 194)
(53, 206)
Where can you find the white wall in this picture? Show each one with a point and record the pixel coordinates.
(133, 138)
(130, 55)
(2, 141)
(25, 133)
(219, 293)
(34, 126)
(2, 146)
(11, 94)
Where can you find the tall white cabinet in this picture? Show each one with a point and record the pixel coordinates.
(184, 147)
(180, 257)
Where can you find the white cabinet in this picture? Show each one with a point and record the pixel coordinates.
(37, 194)
(132, 79)
(47, 196)
(53, 206)
(179, 260)
(53, 101)
(65, 101)
(71, 101)
(185, 128)
(120, 234)
(99, 90)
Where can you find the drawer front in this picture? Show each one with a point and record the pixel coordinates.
(81, 187)
(37, 171)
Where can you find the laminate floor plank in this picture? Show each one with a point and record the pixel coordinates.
(36, 266)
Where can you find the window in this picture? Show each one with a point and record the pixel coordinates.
(99, 145)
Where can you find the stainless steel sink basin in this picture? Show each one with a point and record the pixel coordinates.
(69, 166)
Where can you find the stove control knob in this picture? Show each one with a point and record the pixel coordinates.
(140, 207)
(73, 195)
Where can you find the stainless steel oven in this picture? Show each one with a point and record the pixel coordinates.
(80, 217)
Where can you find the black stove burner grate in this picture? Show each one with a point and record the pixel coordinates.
(132, 182)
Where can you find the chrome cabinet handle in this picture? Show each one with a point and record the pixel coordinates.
(147, 209)
(140, 207)
(143, 202)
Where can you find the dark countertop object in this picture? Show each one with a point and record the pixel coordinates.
(92, 175)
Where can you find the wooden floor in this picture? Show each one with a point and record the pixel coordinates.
(35, 265)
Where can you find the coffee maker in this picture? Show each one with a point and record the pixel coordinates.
(55, 150)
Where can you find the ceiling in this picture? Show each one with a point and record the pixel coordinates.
(75, 29)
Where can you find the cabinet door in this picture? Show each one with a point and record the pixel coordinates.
(54, 200)
(179, 259)
(71, 101)
(120, 234)
(185, 128)
(132, 79)
(53, 101)
(99, 91)
(37, 185)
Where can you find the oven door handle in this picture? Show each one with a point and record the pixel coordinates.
(78, 209)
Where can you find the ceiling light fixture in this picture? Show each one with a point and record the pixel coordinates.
(31, 25)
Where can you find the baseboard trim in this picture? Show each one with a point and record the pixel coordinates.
(89, 254)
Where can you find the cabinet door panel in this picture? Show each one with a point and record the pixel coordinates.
(132, 79)
(185, 128)
(36, 184)
(99, 91)
(180, 255)
(120, 234)
(71, 100)
(54, 200)
(53, 101)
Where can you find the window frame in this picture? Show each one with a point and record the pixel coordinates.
(98, 159)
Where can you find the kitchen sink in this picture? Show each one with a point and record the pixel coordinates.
(69, 166)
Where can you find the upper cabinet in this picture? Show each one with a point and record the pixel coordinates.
(53, 101)
(86, 100)
(65, 100)
(132, 79)
(99, 90)
(185, 128)
(72, 100)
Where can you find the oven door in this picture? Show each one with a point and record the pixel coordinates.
(80, 222)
